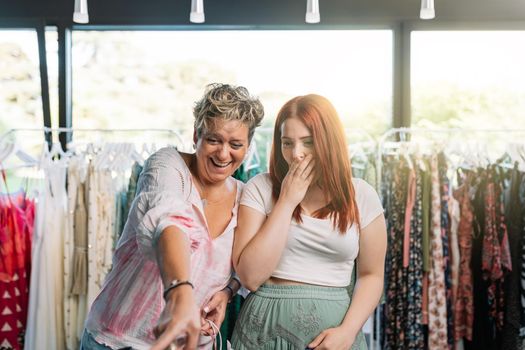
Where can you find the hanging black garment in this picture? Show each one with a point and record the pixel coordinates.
(514, 219)
(482, 337)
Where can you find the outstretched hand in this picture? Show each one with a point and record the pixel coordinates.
(179, 319)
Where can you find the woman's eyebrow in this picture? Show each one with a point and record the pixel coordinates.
(300, 138)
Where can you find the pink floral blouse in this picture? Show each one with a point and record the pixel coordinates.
(130, 302)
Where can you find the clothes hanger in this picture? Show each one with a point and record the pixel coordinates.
(57, 155)
(13, 149)
(405, 152)
(104, 158)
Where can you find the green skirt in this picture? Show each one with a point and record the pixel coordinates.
(290, 317)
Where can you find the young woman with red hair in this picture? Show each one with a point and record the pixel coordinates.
(300, 228)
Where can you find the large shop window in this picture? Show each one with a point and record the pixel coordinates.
(150, 79)
(20, 90)
(468, 79)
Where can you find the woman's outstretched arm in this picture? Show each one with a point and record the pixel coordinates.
(180, 316)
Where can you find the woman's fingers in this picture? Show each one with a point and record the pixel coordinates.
(167, 337)
(193, 340)
(308, 169)
(298, 166)
(293, 167)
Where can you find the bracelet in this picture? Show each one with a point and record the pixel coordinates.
(236, 279)
(232, 294)
(174, 284)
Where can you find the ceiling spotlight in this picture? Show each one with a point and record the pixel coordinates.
(427, 9)
(81, 12)
(312, 11)
(197, 11)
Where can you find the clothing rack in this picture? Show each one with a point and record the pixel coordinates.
(396, 139)
(9, 142)
(403, 136)
(404, 133)
(47, 130)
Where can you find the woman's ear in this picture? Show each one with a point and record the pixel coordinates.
(195, 138)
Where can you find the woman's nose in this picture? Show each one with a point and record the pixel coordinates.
(298, 153)
(223, 152)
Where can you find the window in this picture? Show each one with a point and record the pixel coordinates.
(468, 79)
(20, 92)
(150, 79)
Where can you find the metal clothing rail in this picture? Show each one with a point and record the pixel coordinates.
(404, 134)
(47, 130)
(444, 131)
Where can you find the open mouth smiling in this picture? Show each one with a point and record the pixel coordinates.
(220, 164)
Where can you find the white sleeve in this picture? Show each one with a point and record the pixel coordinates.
(163, 198)
(257, 194)
(368, 202)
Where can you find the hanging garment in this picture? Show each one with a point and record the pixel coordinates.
(16, 226)
(481, 330)
(394, 200)
(425, 240)
(496, 261)
(445, 233)
(75, 255)
(464, 306)
(79, 285)
(522, 257)
(455, 217)
(437, 309)
(515, 224)
(45, 329)
(415, 335)
(101, 212)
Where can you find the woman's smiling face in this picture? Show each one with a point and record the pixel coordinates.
(221, 150)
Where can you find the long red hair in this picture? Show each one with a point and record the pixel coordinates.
(332, 161)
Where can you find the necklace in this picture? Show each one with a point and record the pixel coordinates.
(201, 188)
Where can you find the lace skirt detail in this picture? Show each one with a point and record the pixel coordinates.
(290, 317)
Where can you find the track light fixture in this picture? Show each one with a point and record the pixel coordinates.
(312, 11)
(81, 12)
(197, 11)
(427, 9)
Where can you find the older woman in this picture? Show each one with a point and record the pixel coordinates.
(172, 265)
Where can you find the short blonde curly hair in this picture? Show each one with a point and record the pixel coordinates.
(228, 102)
